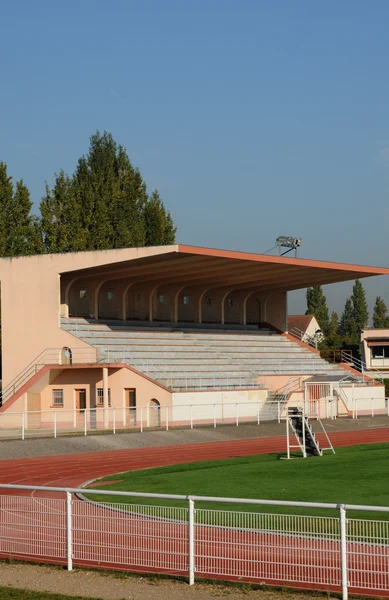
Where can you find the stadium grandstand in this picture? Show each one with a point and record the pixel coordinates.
(161, 327)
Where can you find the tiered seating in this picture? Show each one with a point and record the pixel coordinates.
(190, 357)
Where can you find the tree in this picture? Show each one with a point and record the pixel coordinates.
(19, 230)
(159, 225)
(333, 339)
(317, 305)
(380, 314)
(346, 326)
(62, 228)
(103, 205)
(6, 195)
(360, 309)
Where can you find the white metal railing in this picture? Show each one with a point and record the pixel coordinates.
(61, 421)
(367, 407)
(56, 422)
(49, 356)
(259, 543)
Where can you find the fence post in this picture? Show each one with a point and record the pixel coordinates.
(23, 425)
(69, 530)
(343, 550)
(237, 415)
(278, 412)
(214, 416)
(113, 420)
(167, 418)
(191, 417)
(85, 422)
(141, 419)
(55, 424)
(191, 540)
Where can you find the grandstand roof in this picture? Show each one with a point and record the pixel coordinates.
(192, 266)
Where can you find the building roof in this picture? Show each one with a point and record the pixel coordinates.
(300, 322)
(195, 266)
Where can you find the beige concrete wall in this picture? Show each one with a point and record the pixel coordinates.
(30, 301)
(275, 310)
(222, 405)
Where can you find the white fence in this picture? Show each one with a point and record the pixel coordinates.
(56, 422)
(332, 552)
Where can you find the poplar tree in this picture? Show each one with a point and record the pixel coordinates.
(61, 224)
(19, 230)
(159, 225)
(380, 314)
(360, 309)
(346, 326)
(333, 339)
(317, 305)
(6, 194)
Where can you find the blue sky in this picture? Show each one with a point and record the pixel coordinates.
(253, 118)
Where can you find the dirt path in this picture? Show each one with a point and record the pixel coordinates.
(110, 587)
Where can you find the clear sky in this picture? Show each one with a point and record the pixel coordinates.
(253, 118)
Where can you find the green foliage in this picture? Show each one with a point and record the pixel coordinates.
(360, 308)
(160, 229)
(333, 339)
(103, 205)
(317, 305)
(380, 314)
(346, 325)
(19, 230)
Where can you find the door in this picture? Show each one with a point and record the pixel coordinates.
(80, 400)
(154, 413)
(131, 405)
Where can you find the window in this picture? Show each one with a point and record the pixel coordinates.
(230, 302)
(57, 397)
(380, 351)
(186, 299)
(111, 295)
(83, 294)
(208, 301)
(162, 298)
(100, 397)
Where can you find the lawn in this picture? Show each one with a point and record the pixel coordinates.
(7, 593)
(354, 475)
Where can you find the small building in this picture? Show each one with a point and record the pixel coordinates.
(375, 351)
(305, 328)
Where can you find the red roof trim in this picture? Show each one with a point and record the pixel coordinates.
(264, 258)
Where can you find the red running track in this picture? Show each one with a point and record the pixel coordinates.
(110, 539)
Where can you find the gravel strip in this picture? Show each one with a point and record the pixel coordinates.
(91, 584)
(35, 447)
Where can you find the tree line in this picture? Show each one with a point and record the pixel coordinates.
(345, 331)
(103, 205)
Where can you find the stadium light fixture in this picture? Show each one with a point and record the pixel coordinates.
(291, 243)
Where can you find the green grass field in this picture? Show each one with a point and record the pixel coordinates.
(354, 475)
(8, 593)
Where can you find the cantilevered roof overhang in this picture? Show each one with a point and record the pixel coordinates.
(195, 266)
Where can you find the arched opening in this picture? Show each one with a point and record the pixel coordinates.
(154, 413)
(66, 356)
(231, 310)
(210, 309)
(109, 302)
(137, 305)
(162, 306)
(253, 311)
(186, 309)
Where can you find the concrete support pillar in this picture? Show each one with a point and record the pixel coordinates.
(105, 396)
(95, 300)
(124, 300)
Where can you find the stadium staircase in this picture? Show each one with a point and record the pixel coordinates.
(305, 436)
(204, 357)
